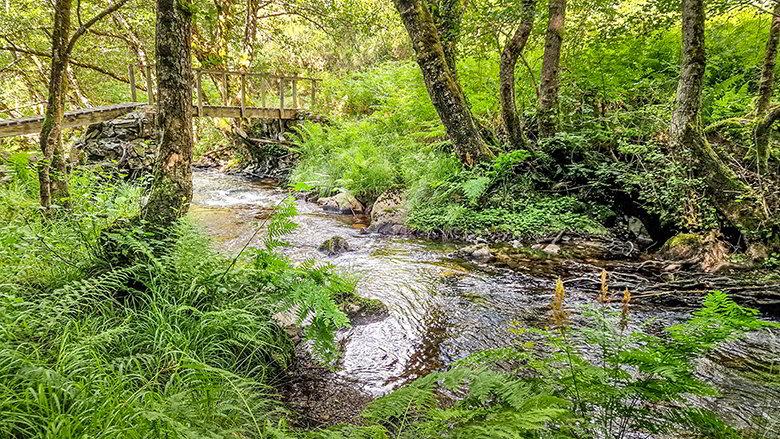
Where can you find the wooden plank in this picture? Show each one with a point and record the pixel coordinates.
(199, 89)
(249, 112)
(32, 125)
(149, 86)
(243, 94)
(131, 77)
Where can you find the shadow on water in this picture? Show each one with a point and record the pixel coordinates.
(440, 308)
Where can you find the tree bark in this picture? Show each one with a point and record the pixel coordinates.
(734, 199)
(443, 88)
(550, 77)
(763, 128)
(447, 17)
(509, 56)
(52, 167)
(767, 82)
(171, 191)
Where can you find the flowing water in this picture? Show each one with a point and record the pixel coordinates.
(440, 308)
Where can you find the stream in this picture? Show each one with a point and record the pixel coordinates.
(441, 308)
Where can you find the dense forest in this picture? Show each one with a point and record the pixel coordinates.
(389, 218)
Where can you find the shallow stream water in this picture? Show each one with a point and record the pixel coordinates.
(440, 308)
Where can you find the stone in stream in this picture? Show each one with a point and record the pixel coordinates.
(551, 249)
(334, 246)
(707, 252)
(476, 252)
(343, 202)
(389, 214)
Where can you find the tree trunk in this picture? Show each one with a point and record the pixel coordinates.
(734, 199)
(767, 82)
(763, 129)
(443, 88)
(52, 167)
(512, 51)
(550, 78)
(171, 191)
(447, 17)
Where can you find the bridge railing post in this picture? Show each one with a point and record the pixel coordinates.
(242, 95)
(131, 78)
(199, 91)
(294, 81)
(264, 86)
(226, 89)
(149, 86)
(313, 94)
(281, 97)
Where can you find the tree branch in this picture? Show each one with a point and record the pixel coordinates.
(72, 61)
(85, 27)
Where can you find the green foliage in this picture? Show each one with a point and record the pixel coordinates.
(394, 140)
(177, 341)
(547, 386)
(497, 199)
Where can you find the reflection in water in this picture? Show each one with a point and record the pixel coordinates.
(440, 309)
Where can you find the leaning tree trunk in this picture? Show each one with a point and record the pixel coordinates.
(512, 51)
(767, 82)
(763, 129)
(443, 88)
(52, 168)
(734, 199)
(447, 17)
(550, 77)
(171, 191)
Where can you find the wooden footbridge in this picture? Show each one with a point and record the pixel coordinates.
(216, 93)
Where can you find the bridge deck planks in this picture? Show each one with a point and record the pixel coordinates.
(88, 116)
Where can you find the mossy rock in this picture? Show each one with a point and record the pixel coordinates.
(356, 306)
(682, 246)
(334, 246)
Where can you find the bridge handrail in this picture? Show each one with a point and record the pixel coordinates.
(280, 81)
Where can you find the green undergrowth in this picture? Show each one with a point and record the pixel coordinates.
(176, 341)
(630, 384)
(616, 98)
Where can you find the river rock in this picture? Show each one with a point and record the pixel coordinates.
(682, 246)
(389, 214)
(334, 246)
(343, 202)
(708, 253)
(127, 144)
(477, 252)
(552, 249)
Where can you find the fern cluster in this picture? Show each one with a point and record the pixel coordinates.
(176, 341)
(627, 384)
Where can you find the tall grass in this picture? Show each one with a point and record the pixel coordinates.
(173, 343)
